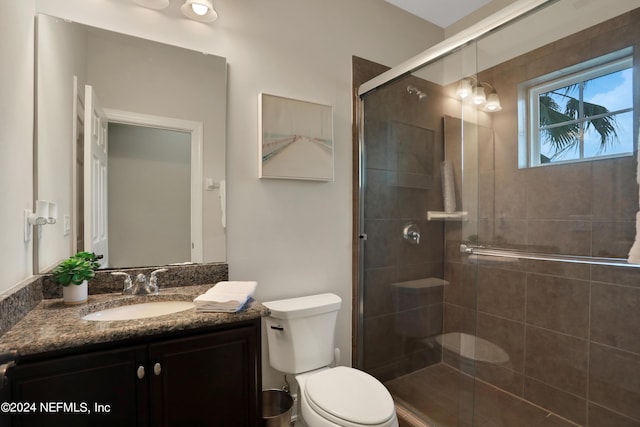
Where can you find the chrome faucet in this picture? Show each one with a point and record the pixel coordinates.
(140, 287)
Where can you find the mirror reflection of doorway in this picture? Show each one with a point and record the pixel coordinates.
(149, 195)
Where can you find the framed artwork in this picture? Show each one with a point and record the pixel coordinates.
(296, 139)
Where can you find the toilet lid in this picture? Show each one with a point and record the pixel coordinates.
(351, 395)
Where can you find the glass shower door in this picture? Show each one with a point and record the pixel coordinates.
(518, 305)
(419, 200)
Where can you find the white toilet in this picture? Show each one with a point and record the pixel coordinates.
(300, 335)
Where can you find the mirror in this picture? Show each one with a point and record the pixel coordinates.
(155, 90)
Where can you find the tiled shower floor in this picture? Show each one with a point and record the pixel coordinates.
(449, 398)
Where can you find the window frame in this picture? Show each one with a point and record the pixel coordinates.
(529, 107)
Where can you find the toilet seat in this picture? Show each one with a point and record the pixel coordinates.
(349, 397)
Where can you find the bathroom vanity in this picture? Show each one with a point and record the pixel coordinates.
(185, 368)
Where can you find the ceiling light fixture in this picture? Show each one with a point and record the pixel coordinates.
(199, 10)
(476, 89)
(153, 4)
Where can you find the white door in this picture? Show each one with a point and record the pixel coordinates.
(95, 177)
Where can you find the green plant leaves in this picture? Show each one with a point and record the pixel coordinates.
(74, 271)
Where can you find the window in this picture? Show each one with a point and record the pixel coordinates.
(581, 113)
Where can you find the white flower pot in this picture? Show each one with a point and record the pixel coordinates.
(75, 294)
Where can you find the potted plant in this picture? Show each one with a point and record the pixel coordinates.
(91, 257)
(73, 274)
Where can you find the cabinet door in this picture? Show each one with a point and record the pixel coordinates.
(95, 389)
(206, 380)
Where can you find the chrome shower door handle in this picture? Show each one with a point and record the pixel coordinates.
(411, 233)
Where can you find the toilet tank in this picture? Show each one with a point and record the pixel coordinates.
(301, 332)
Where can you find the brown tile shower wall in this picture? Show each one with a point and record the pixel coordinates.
(572, 331)
(403, 154)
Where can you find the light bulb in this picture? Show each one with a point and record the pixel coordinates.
(478, 95)
(199, 9)
(493, 103)
(464, 89)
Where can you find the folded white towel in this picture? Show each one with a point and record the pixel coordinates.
(226, 297)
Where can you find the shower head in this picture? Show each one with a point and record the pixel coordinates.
(415, 91)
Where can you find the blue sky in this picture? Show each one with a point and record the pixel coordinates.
(615, 92)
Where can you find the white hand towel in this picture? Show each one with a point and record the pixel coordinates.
(222, 192)
(634, 253)
(226, 297)
(448, 186)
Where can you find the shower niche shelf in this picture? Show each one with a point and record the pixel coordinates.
(446, 216)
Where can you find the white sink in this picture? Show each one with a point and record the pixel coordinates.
(139, 311)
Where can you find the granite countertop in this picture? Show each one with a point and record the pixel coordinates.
(52, 325)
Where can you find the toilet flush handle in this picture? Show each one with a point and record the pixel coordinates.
(277, 328)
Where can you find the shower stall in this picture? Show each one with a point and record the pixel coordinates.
(496, 192)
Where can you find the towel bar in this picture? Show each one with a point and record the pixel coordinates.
(480, 250)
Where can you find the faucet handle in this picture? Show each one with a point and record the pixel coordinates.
(153, 281)
(128, 284)
(154, 272)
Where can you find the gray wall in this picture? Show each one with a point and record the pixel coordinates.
(149, 196)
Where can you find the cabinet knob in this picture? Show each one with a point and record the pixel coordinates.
(140, 372)
(157, 368)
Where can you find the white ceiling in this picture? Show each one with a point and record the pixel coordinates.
(440, 12)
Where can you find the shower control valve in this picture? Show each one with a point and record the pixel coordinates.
(411, 233)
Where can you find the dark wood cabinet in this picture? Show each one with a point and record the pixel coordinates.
(80, 382)
(218, 371)
(208, 379)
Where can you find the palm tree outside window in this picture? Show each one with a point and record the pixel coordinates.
(582, 113)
